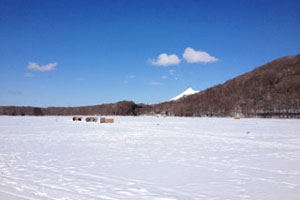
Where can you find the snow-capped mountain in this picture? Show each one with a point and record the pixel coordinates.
(187, 92)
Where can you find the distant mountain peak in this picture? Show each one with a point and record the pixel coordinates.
(187, 92)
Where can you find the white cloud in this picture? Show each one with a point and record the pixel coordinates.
(192, 56)
(165, 60)
(164, 77)
(28, 74)
(131, 76)
(41, 68)
(172, 71)
(155, 83)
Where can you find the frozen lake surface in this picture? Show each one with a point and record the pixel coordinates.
(149, 158)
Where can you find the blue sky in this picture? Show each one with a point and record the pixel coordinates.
(71, 53)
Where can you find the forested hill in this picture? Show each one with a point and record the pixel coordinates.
(271, 90)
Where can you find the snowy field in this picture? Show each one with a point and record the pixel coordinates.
(149, 158)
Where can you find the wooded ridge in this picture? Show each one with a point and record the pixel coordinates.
(271, 90)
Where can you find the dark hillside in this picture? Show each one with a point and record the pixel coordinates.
(119, 108)
(270, 90)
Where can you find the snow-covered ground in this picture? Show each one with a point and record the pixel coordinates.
(149, 158)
